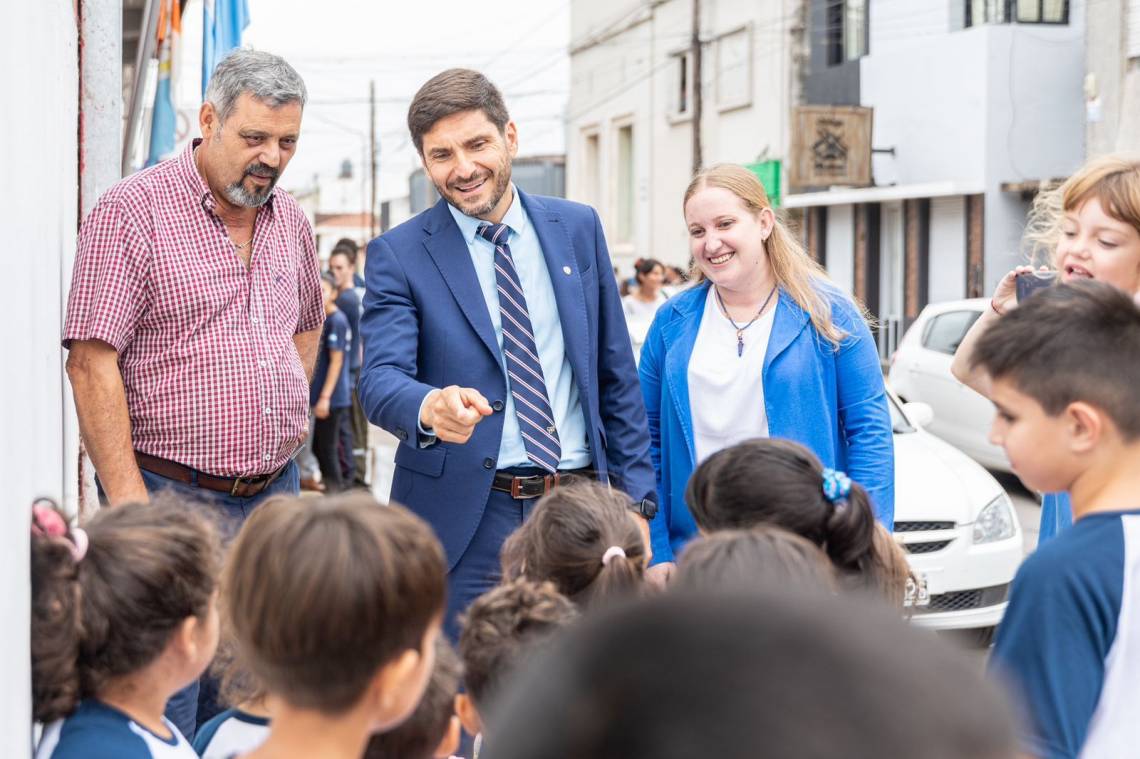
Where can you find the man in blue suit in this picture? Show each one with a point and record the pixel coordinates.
(495, 346)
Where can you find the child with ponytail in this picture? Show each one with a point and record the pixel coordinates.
(123, 617)
(768, 481)
(585, 539)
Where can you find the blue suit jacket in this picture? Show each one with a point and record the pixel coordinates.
(834, 403)
(425, 325)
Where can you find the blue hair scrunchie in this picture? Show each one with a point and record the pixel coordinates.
(836, 485)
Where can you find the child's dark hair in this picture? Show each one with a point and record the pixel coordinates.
(321, 593)
(742, 559)
(236, 684)
(781, 483)
(421, 734)
(572, 539)
(504, 627)
(147, 568)
(756, 675)
(1073, 342)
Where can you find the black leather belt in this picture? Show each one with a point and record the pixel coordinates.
(535, 486)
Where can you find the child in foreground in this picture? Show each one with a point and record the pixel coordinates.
(772, 675)
(586, 540)
(742, 559)
(245, 724)
(123, 617)
(1063, 369)
(335, 606)
(432, 732)
(502, 631)
(799, 495)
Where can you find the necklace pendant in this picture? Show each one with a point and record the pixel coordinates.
(739, 344)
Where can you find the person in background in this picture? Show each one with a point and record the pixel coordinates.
(675, 280)
(1089, 228)
(329, 393)
(433, 730)
(335, 605)
(587, 540)
(123, 616)
(503, 631)
(353, 425)
(347, 243)
(760, 675)
(765, 346)
(1062, 371)
(641, 304)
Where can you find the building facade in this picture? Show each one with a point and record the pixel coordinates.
(976, 103)
(630, 116)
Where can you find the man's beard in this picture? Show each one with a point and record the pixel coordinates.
(237, 193)
(502, 180)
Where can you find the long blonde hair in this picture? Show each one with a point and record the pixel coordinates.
(1113, 179)
(795, 272)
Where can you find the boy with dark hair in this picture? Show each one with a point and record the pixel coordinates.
(502, 629)
(1064, 367)
(432, 732)
(329, 394)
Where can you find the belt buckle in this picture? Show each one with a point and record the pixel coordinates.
(550, 482)
(516, 488)
(233, 490)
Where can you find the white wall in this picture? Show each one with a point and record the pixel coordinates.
(841, 246)
(38, 213)
(947, 266)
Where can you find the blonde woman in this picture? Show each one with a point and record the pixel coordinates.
(763, 346)
(1088, 228)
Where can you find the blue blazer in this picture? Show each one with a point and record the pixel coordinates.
(425, 325)
(835, 403)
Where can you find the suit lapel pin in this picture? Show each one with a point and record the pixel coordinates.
(566, 270)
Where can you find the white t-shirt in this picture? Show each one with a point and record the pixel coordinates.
(638, 318)
(726, 390)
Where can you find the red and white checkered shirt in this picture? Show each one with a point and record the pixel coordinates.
(206, 350)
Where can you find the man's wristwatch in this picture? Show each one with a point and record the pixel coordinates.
(646, 507)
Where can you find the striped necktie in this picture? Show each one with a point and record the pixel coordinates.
(524, 372)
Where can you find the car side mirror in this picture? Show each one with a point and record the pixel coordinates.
(919, 414)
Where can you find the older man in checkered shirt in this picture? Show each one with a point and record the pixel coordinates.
(195, 307)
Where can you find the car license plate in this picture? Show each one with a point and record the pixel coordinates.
(917, 592)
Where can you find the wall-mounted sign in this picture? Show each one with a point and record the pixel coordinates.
(831, 145)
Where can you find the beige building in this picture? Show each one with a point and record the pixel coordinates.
(629, 119)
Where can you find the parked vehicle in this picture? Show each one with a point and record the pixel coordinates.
(920, 371)
(957, 525)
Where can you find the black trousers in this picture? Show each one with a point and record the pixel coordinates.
(326, 434)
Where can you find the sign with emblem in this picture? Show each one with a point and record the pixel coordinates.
(831, 145)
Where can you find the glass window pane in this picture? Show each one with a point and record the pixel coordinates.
(855, 29)
(1054, 11)
(1028, 11)
(946, 331)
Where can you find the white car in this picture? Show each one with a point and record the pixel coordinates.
(920, 371)
(957, 525)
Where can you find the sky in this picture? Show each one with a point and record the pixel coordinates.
(338, 46)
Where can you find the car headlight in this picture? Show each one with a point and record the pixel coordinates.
(995, 521)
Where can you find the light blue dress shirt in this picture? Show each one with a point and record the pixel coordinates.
(543, 309)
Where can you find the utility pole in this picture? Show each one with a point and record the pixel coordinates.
(695, 54)
(372, 162)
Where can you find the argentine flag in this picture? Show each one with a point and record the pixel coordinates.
(164, 118)
(223, 21)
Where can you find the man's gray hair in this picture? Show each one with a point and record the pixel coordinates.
(265, 76)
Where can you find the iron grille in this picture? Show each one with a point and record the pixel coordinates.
(928, 547)
(923, 526)
(962, 600)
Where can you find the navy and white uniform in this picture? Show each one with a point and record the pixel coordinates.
(98, 731)
(1069, 645)
(231, 732)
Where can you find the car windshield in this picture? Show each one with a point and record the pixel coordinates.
(899, 423)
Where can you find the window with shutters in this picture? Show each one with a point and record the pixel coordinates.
(980, 12)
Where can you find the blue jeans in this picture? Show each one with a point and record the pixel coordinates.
(231, 512)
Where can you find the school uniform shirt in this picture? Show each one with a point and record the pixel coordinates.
(334, 337)
(638, 317)
(98, 731)
(725, 388)
(1069, 645)
(348, 303)
(233, 732)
